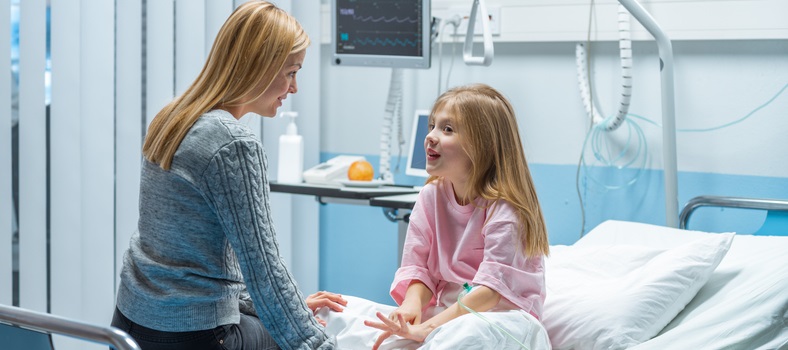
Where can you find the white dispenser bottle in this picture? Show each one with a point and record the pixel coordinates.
(291, 153)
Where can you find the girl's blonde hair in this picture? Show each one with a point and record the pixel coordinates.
(487, 129)
(250, 49)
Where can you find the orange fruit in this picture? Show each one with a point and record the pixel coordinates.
(360, 170)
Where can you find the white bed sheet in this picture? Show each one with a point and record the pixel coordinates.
(466, 332)
(744, 305)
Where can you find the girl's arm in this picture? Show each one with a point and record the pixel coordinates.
(416, 297)
(480, 300)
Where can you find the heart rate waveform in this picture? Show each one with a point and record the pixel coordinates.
(386, 19)
(387, 42)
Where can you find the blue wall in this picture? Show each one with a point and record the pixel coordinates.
(358, 247)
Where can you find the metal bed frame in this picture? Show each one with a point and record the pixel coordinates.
(52, 324)
(771, 205)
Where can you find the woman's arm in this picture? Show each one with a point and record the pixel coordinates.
(237, 183)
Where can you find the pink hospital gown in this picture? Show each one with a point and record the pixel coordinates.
(448, 245)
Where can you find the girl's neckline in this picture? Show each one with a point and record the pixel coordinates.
(448, 187)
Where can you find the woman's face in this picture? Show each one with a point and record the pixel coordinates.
(284, 83)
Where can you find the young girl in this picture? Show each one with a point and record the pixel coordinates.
(477, 221)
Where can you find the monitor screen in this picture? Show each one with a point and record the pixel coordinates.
(14, 337)
(381, 33)
(417, 155)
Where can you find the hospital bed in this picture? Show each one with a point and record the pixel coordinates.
(629, 285)
(23, 329)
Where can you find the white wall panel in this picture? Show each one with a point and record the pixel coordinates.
(129, 122)
(189, 42)
(66, 162)
(239, 2)
(98, 156)
(32, 156)
(6, 206)
(159, 60)
(307, 102)
(216, 12)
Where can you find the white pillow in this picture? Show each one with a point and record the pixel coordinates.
(617, 296)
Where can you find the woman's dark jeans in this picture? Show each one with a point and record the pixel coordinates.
(248, 334)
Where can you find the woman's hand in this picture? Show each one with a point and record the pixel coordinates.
(400, 328)
(321, 299)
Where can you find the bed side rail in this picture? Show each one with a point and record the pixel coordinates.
(53, 324)
(729, 202)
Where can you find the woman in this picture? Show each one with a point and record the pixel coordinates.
(203, 270)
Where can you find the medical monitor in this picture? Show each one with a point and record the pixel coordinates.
(417, 155)
(14, 337)
(381, 33)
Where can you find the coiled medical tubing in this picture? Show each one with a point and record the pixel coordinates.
(625, 49)
(600, 126)
(393, 110)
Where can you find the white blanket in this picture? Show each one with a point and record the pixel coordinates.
(465, 332)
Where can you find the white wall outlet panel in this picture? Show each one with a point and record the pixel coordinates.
(494, 12)
(567, 20)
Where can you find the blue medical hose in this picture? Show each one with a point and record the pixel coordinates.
(465, 290)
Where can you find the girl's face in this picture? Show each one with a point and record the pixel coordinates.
(284, 83)
(445, 155)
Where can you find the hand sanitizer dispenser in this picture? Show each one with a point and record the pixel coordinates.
(291, 152)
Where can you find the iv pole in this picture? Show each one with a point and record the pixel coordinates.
(668, 108)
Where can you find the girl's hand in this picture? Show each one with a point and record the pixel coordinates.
(411, 314)
(400, 328)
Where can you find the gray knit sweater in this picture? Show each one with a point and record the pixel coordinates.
(205, 227)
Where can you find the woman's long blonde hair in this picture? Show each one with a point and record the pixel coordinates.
(249, 50)
(489, 135)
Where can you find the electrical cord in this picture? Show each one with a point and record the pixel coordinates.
(713, 128)
(590, 126)
(455, 21)
(633, 153)
(453, 54)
